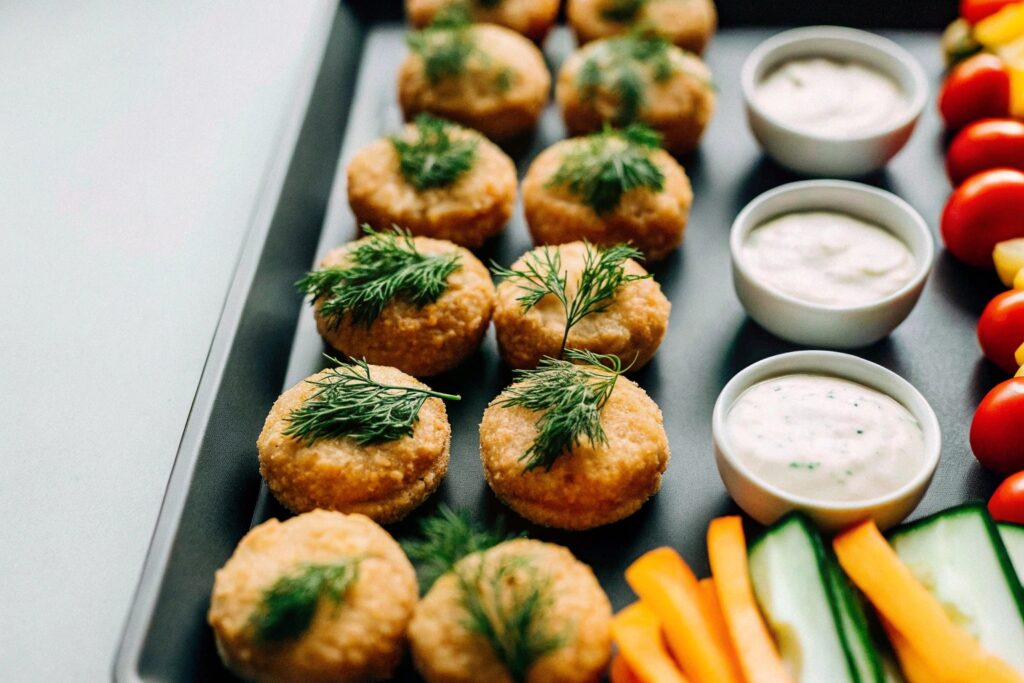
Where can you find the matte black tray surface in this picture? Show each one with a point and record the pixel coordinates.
(265, 342)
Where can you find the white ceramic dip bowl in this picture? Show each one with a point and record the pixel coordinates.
(766, 502)
(833, 155)
(821, 325)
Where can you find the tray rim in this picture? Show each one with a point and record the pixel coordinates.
(172, 506)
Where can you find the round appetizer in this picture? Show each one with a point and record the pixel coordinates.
(572, 444)
(484, 76)
(356, 438)
(637, 77)
(322, 597)
(825, 438)
(532, 18)
(690, 24)
(435, 179)
(579, 296)
(522, 611)
(418, 304)
(609, 188)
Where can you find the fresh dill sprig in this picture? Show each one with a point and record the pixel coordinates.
(602, 167)
(288, 606)
(447, 45)
(349, 402)
(571, 398)
(604, 272)
(622, 11)
(507, 601)
(622, 62)
(445, 538)
(434, 158)
(385, 266)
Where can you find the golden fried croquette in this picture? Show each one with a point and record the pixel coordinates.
(573, 607)
(419, 340)
(623, 80)
(359, 638)
(593, 483)
(532, 18)
(384, 481)
(472, 208)
(631, 325)
(499, 85)
(651, 220)
(690, 24)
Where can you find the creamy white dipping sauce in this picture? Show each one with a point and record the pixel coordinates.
(830, 97)
(828, 258)
(825, 438)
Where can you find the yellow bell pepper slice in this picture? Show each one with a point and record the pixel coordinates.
(1017, 91)
(1001, 28)
(1009, 259)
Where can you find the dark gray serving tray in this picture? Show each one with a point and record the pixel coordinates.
(264, 342)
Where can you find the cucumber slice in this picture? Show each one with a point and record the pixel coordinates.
(893, 674)
(1013, 539)
(814, 621)
(958, 555)
(862, 654)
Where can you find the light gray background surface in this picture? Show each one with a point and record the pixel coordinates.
(133, 141)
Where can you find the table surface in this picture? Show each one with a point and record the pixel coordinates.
(134, 139)
(138, 165)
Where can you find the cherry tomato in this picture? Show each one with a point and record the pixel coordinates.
(997, 432)
(985, 210)
(1007, 503)
(976, 88)
(974, 11)
(1001, 330)
(984, 145)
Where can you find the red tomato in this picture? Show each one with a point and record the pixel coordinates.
(983, 145)
(1001, 330)
(985, 210)
(974, 11)
(976, 88)
(1007, 503)
(997, 432)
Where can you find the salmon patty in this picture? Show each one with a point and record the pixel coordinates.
(434, 179)
(483, 76)
(572, 610)
(320, 598)
(384, 480)
(591, 483)
(630, 325)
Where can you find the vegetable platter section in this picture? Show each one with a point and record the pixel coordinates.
(562, 477)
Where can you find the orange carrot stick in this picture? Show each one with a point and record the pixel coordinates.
(874, 566)
(914, 668)
(713, 613)
(727, 552)
(620, 671)
(637, 632)
(668, 587)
